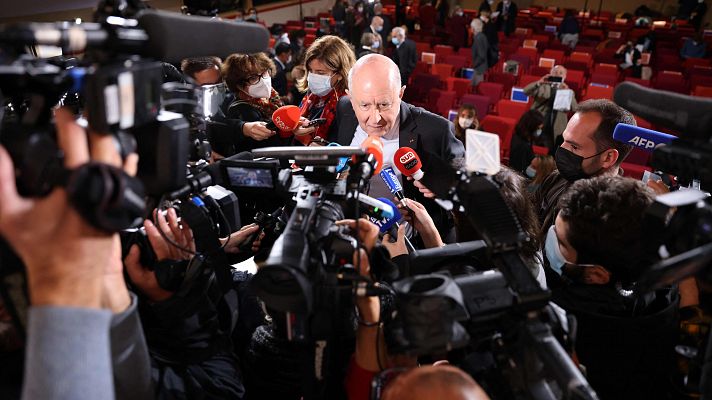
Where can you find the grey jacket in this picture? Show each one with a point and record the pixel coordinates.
(480, 48)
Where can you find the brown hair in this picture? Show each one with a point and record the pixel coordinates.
(193, 65)
(238, 67)
(336, 54)
(611, 115)
(546, 166)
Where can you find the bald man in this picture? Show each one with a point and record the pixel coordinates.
(374, 108)
(434, 382)
(544, 93)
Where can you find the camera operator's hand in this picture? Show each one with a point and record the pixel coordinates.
(658, 187)
(418, 216)
(544, 79)
(179, 233)
(65, 257)
(423, 189)
(257, 130)
(366, 230)
(301, 130)
(398, 247)
(238, 238)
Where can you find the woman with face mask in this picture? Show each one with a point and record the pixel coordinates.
(526, 133)
(356, 22)
(466, 119)
(328, 61)
(249, 78)
(370, 44)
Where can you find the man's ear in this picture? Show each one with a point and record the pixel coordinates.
(611, 158)
(347, 92)
(402, 90)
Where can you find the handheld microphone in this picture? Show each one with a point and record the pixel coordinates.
(342, 165)
(386, 225)
(391, 180)
(374, 146)
(285, 119)
(408, 163)
(646, 139)
(376, 208)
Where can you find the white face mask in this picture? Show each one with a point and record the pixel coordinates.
(261, 89)
(537, 132)
(320, 85)
(465, 122)
(531, 172)
(376, 44)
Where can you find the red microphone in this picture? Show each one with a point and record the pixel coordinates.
(285, 119)
(408, 163)
(374, 146)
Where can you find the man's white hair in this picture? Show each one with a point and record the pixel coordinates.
(393, 72)
(476, 25)
(399, 31)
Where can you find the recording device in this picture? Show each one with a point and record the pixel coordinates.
(437, 312)
(554, 79)
(677, 223)
(315, 122)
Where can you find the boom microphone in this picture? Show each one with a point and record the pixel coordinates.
(163, 35)
(646, 139)
(685, 114)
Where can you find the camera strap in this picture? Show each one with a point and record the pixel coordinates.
(206, 239)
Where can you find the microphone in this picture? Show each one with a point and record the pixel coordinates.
(691, 115)
(408, 163)
(373, 160)
(207, 177)
(646, 139)
(390, 178)
(386, 225)
(285, 119)
(374, 146)
(163, 35)
(376, 208)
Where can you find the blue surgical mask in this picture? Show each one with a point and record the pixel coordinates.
(378, 29)
(395, 41)
(320, 85)
(537, 132)
(531, 172)
(553, 252)
(376, 44)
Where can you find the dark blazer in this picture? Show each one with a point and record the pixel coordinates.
(422, 131)
(406, 56)
(507, 26)
(279, 81)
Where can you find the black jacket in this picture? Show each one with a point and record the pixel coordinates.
(422, 131)
(279, 81)
(406, 56)
(520, 154)
(509, 25)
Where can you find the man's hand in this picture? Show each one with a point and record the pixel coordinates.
(658, 187)
(178, 233)
(238, 238)
(398, 247)
(65, 257)
(424, 190)
(366, 230)
(257, 130)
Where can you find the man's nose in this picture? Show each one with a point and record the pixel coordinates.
(376, 115)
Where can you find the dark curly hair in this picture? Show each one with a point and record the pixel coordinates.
(527, 124)
(604, 217)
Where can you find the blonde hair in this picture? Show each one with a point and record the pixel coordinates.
(336, 54)
(238, 67)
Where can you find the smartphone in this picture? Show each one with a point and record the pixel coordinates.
(316, 122)
(554, 79)
(647, 175)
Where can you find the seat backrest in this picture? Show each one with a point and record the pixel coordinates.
(702, 91)
(574, 75)
(459, 85)
(557, 55)
(604, 78)
(457, 61)
(511, 109)
(493, 90)
(445, 102)
(481, 103)
(442, 70)
(597, 92)
(502, 127)
(507, 80)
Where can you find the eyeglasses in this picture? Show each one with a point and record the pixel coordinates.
(252, 79)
